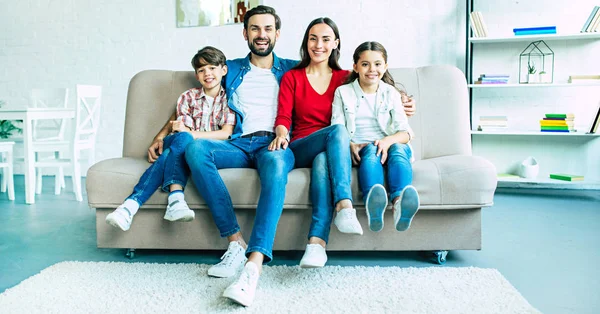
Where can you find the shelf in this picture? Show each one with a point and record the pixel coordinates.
(547, 183)
(577, 36)
(534, 133)
(534, 85)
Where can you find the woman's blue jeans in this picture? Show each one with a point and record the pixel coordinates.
(169, 168)
(399, 169)
(329, 150)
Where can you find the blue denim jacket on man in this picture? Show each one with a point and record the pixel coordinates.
(237, 69)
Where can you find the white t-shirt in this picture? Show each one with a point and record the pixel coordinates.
(367, 127)
(257, 99)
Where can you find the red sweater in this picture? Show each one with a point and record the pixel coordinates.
(301, 107)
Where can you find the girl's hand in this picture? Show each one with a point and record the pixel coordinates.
(178, 126)
(279, 141)
(409, 105)
(354, 152)
(382, 147)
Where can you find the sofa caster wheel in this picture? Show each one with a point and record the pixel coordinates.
(130, 253)
(440, 256)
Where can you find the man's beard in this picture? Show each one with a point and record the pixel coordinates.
(262, 53)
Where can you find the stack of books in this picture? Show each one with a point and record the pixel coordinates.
(543, 30)
(593, 22)
(493, 79)
(558, 122)
(492, 123)
(477, 24)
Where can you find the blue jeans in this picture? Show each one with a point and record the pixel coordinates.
(169, 168)
(399, 169)
(332, 169)
(205, 157)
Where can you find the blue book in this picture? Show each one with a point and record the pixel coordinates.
(520, 33)
(541, 28)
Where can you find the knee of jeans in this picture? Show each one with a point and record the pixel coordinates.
(369, 152)
(181, 141)
(279, 162)
(195, 151)
(340, 132)
(400, 150)
(319, 164)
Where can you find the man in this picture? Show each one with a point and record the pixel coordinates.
(252, 87)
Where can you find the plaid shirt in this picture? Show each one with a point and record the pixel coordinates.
(198, 114)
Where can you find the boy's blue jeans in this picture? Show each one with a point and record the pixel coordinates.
(327, 151)
(399, 169)
(169, 168)
(205, 157)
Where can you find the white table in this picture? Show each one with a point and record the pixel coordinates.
(28, 115)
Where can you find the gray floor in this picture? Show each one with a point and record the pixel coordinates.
(546, 243)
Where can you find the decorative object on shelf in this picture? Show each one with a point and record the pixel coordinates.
(536, 57)
(192, 13)
(529, 168)
(544, 77)
(558, 122)
(593, 22)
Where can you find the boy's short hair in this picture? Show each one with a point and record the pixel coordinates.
(262, 9)
(208, 55)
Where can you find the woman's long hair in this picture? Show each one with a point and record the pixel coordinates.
(335, 53)
(373, 46)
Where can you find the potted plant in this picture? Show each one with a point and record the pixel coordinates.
(6, 126)
(544, 77)
(531, 77)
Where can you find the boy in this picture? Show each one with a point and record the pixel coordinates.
(201, 113)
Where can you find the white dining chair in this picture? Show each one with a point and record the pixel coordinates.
(87, 120)
(6, 165)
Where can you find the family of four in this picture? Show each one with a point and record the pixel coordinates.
(276, 114)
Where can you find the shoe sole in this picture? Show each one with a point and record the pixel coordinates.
(376, 204)
(115, 224)
(312, 265)
(184, 218)
(409, 205)
(236, 298)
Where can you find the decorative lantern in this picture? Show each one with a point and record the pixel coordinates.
(536, 64)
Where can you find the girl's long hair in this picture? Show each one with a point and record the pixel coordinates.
(335, 53)
(373, 46)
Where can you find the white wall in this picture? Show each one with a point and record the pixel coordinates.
(47, 43)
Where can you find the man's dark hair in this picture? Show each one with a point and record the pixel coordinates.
(208, 55)
(262, 9)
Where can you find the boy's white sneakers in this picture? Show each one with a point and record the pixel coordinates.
(346, 221)
(314, 256)
(406, 208)
(233, 259)
(242, 290)
(179, 210)
(120, 218)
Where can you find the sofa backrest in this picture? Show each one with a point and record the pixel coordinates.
(441, 124)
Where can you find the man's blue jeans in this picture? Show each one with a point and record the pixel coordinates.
(399, 169)
(169, 168)
(205, 157)
(334, 142)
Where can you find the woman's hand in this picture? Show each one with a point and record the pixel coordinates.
(355, 152)
(279, 142)
(382, 147)
(178, 126)
(410, 107)
(155, 149)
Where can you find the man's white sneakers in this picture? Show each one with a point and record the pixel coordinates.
(233, 259)
(346, 221)
(314, 256)
(242, 290)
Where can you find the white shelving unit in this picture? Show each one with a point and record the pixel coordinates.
(574, 152)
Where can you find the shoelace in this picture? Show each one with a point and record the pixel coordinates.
(227, 258)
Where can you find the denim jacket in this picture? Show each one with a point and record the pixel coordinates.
(236, 70)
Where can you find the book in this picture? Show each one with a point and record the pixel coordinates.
(566, 177)
(540, 28)
(478, 24)
(560, 115)
(473, 26)
(536, 32)
(594, 22)
(507, 176)
(595, 122)
(483, 26)
(589, 20)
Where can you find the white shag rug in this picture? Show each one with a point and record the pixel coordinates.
(115, 287)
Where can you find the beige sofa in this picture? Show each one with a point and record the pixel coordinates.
(453, 185)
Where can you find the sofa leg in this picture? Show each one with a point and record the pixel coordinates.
(440, 256)
(130, 253)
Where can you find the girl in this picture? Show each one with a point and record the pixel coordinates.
(370, 106)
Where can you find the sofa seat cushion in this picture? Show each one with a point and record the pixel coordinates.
(443, 183)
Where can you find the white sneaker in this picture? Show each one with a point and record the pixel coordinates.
(406, 208)
(346, 221)
(242, 290)
(230, 263)
(179, 210)
(314, 256)
(120, 218)
(375, 205)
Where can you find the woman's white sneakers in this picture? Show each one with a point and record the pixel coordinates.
(314, 256)
(346, 221)
(233, 259)
(406, 208)
(375, 205)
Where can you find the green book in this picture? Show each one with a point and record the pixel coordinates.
(555, 127)
(560, 115)
(566, 177)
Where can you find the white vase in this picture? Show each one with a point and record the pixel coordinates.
(532, 78)
(544, 78)
(529, 168)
